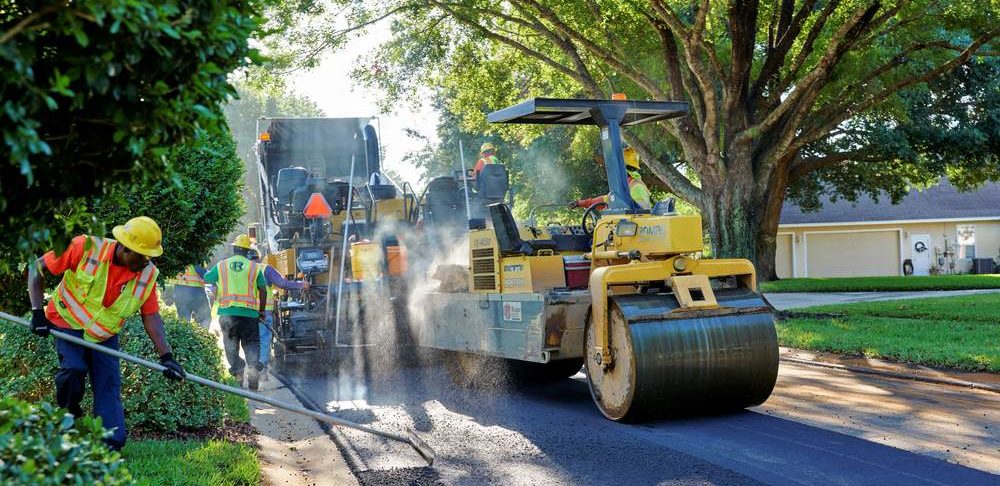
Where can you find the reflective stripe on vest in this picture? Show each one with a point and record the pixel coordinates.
(639, 192)
(238, 287)
(190, 278)
(79, 299)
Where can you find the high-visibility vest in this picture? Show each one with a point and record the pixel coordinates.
(79, 299)
(639, 192)
(238, 283)
(189, 278)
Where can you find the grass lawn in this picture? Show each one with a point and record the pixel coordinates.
(872, 284)
(953, 332)
(196, 462)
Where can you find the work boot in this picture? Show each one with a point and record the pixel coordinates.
(264, 374)
(253, 380)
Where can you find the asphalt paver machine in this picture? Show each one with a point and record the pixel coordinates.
(329, 215)
(658, 330)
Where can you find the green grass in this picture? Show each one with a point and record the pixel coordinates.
(952, 332)
(235, 406)
(172, 462)
(873, 284)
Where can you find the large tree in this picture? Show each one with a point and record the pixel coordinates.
(789, 93)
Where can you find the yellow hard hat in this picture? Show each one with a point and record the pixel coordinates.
(486, 146)
(141, 235)
(242, 241)
(631, 158)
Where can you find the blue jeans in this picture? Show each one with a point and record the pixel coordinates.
(265, 339)
(75, 363)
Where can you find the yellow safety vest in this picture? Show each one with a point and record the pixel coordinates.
(79, 299)
(271, 291)
(238, 283)
(190, 278)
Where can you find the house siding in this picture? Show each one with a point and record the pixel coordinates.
(865, 254)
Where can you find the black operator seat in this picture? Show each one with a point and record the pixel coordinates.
(509, 239)
(492, 183)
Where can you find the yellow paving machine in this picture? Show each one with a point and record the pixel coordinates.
(658, 330)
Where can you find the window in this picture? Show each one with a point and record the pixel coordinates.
(966, 241)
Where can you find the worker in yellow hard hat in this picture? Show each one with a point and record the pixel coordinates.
(487, 156)
(242, 298)
(104, 282)
(637, 189)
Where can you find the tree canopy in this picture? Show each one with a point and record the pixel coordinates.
(810, 95)
(98, 92)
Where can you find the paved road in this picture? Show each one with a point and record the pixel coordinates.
(792, 300)
(820, 427)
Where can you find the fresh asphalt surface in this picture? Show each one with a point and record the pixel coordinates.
(553, 434)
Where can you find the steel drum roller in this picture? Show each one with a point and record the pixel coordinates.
(670, 362)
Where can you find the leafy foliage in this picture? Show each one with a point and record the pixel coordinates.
(152, 403)
(41, 445)
(98, 91)
(196, 209)
(776, 89)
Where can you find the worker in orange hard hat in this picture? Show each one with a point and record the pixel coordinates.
(104, 281)
(637, 189)
(487, 156)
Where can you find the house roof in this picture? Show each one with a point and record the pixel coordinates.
(942, 201)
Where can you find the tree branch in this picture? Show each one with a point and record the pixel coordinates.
(26, 21)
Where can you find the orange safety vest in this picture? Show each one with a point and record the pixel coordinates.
(190, 278)
(238, 283)
(79, 299)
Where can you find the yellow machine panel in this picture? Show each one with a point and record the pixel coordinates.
(484, 261)
(653, 236)
(389, 210)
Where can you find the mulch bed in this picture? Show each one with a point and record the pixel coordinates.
(235, 432)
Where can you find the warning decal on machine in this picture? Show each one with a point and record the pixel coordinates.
(512, 311)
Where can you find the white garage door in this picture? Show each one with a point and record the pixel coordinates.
(783, 256)
(862, 254)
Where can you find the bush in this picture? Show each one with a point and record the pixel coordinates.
(152, 403)
(41, 445)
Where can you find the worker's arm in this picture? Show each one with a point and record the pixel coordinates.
(154, 329)
(36, 294)
(586, 203)
(36, 281)
(274, 278)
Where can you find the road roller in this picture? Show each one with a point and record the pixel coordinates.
(658, 330)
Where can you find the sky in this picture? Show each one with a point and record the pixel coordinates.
(331, 87)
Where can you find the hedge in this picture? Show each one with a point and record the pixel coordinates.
(152, 403)
(43, 445)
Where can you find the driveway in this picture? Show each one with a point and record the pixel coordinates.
(792, 300)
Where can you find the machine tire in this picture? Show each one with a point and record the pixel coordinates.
(668, 363)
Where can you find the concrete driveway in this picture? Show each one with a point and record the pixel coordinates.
(793, 300)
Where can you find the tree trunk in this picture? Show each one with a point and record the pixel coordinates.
(741, 222)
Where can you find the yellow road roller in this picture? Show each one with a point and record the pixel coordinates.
(658, 330)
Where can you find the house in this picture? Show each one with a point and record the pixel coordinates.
(936, 230)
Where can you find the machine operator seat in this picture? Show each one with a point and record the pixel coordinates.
(509, 239)
(492, 183)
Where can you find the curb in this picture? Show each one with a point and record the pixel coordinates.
(897, 375)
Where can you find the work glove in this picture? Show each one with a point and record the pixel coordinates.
(574, 204)
(39, 323)
(172, 369)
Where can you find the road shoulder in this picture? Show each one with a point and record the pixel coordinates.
(293, 448)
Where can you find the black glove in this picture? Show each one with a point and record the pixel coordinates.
(39, 323)
(172, 369)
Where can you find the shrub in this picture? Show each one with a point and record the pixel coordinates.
(152, 403)
(41, 445)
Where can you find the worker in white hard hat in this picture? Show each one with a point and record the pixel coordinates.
(104, 282)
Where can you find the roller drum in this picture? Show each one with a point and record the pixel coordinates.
(669, 362)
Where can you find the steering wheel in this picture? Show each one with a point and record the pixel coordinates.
(591, 216)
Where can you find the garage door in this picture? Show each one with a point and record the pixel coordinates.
(852, 254)
(783, 256)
